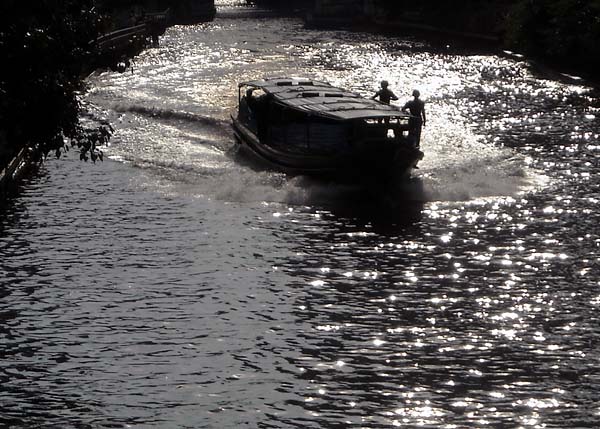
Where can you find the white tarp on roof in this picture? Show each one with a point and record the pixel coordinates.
(321, 98)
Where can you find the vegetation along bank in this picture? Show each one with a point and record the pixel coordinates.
(48, 48)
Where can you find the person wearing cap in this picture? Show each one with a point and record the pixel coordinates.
(417, 120)
(385, 94)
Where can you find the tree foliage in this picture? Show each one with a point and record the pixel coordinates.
(566, 32)
(44, 46)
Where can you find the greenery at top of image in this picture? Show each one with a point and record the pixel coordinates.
(562, 32)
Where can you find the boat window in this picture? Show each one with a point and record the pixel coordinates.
(329, 94)
(310, 94)
(387, 120)
(305, 83)
(284, 83)
(319, 136)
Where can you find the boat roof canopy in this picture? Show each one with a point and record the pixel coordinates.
(321, 98)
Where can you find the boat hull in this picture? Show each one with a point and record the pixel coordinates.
(377, 163)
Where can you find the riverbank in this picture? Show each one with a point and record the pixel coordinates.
(44, 46)
(51, 47)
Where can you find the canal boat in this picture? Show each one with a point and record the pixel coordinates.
(308, 127)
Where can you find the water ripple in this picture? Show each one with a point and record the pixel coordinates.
(173, 286)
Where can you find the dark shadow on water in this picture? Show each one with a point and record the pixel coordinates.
(11, 203)
(385, 208)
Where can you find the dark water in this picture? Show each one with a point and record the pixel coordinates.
(173, 286)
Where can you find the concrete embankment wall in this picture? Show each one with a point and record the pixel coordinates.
(13, 171)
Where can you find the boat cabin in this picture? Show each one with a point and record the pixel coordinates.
(304, 115)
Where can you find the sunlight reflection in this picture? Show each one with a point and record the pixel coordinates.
(509, 334)
(438, 304)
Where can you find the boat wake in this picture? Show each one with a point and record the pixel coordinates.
(502, 175)
(174, 115)
(461, 166)
(196, 151)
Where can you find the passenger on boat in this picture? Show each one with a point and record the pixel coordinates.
(385, 94)
(417, 120)
(257, 105)
(246, 112)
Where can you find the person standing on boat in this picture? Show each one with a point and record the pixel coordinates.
(385, 94)
(417, 120)
(246, 111)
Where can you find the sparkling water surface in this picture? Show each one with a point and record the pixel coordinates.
(174, 285)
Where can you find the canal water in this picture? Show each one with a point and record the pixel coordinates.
(176, 286)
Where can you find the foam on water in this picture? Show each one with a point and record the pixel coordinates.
(459, 165)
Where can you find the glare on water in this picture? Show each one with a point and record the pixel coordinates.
(174, 285)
